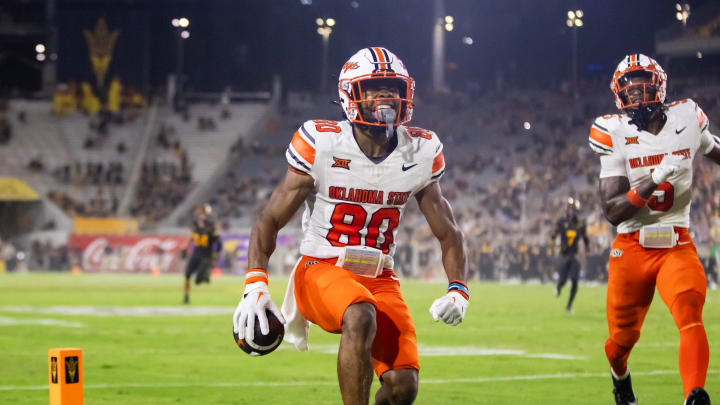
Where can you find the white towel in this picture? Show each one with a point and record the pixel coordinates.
(296, 326)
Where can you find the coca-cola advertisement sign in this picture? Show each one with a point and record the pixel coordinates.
(128, 254)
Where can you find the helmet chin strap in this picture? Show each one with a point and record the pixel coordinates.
(388, 115)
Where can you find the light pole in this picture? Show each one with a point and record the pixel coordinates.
(574, 22)
(182, 26)
(682, 13)
(324, 29)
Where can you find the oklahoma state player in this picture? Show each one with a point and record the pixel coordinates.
(645, 179)
(355, 178)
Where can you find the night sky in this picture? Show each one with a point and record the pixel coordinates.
(244, 43)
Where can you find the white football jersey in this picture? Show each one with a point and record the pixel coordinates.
(358, 200)
(627, 152)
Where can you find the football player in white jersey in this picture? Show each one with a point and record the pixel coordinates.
(355, 178)
(646, 155)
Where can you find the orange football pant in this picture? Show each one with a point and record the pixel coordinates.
(633, 274)
(323, 292)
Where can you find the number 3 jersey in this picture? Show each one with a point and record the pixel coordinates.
(627, 152)
(359, 200)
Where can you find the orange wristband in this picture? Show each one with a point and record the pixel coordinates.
(635, 198)
(255, 275)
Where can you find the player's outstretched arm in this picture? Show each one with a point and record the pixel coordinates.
(450, 308)
(714, 153)
(283, 204)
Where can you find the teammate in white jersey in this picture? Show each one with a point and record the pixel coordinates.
(645, 190)
(355, 178)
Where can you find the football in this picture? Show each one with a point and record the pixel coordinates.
(263, 344)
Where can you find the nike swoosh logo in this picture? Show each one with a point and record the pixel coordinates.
(406, 168)
(677, 131)
(259, 295)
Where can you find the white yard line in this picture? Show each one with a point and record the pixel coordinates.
(451, 351)
(7, 321)
(120, 310)
(333, 383)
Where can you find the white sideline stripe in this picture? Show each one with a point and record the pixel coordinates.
(334, 383)
(7, 321)
(120, 311)
(450, 351)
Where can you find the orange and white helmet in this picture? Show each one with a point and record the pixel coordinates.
(634, 66)
(375, 63)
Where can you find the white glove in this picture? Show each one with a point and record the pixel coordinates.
(669, 165)
(450, 308)
(256, 299)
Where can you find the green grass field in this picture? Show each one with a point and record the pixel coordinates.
(516, 346)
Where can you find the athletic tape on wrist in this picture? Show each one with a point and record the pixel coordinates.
(255, 275)
(460, 287)
(635, 199)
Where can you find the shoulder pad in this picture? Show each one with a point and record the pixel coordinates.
(317, 127)
(601, 133)
(690, 110)
(432, 148)
(422, 133)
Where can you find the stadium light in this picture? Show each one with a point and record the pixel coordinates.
(468, 41)
(574, 21)
(699, 55)
(40, 57)
(449, 19)
(40, 48)
(527, 125)
(184, 22)
(324, 29)
(185, 34)
(574, 18)
(682, 13)
(175, 22)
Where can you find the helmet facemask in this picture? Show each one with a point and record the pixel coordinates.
(370, 111)
(639, 86)
(637, 93)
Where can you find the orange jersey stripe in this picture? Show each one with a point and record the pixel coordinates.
(601, 137)
(438, 163)
(302, 147)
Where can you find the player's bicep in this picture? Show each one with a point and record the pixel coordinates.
(710, 144)
(611, 188)
(287, 197)
(437, 211)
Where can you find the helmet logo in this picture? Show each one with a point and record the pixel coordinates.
(350, 66)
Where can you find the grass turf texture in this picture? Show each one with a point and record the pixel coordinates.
(193, 360)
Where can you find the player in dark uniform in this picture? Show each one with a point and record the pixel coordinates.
(570, 229)
(206, 245)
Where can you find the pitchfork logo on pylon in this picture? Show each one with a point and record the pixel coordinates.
(53, 370)
(71, 370)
